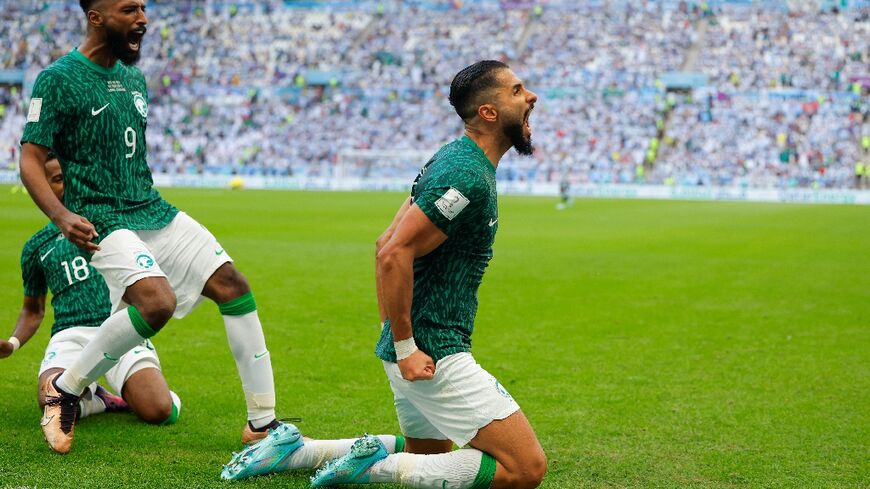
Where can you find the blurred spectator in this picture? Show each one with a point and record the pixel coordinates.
(264, 88)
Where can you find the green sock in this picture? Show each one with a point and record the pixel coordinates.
(485, 474)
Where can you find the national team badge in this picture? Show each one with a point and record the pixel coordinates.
(145, 261)
(140, 103)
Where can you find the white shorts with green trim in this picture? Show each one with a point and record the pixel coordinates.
(184, 252)
(461, 399)
(65, 347)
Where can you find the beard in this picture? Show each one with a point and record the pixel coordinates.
(119, 46)
(523, 145)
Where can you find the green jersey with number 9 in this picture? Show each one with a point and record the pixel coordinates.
(79, 294)
(94, 118)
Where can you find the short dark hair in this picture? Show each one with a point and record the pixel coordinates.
(86, 4)
(470, 82)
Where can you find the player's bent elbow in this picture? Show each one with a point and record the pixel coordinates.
(381, 242)
(385, 258)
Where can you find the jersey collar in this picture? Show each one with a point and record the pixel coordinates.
(90, 64)
(477, 149)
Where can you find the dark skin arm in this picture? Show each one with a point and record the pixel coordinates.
(414, 236)
(29, 319)
(74, 227)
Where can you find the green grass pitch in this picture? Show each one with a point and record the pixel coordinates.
(651, 344)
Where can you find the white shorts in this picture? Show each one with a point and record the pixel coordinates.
(461, 399)
(65, 347)
(184, 252)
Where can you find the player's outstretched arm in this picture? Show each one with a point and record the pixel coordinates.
(414, 236)
(74, 227)
(28, 322)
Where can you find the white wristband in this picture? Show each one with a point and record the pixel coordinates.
(15, 344)
(404, 348)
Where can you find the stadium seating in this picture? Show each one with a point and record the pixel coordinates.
(273, 88)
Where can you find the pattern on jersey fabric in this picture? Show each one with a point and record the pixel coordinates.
(79, 294)
(94, 118)
(456, 190)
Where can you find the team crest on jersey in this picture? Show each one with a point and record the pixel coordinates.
(145, 261)
(140, 103)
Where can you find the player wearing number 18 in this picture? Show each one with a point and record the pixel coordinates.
(80, 301)
(91, 108)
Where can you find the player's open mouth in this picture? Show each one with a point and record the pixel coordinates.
(134, 39)
(526, 124)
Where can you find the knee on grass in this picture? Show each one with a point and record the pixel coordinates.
(528, 473)
(155, 411)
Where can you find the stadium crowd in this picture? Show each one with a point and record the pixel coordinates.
(263, 88)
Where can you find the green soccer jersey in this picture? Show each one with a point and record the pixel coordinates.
(456, 190)
(79, 295)
(94, 118)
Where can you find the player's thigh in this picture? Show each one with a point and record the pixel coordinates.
(190, 254)
(141, 383)
(516, 449)
(147, 394)
(459, 400)
(139, 380)
(420, 435)
(123, 260)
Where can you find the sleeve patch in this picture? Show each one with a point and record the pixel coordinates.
(35, 110)
(451, 203)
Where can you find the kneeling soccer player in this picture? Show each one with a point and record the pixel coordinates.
(430, 264)
(80, 301)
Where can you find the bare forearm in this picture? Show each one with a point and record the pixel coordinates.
(27, 324)
(33, 177)
(395, 274)
(30, 317)
(28, 321)
(379, 245)
(74, 227)
(381, 309)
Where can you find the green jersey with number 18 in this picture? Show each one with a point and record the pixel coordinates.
(79, 295)
(94, 118)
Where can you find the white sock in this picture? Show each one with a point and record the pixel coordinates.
(453, 470)
(315, 453)
(248, 345)
(116, 337)
(90, 403)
